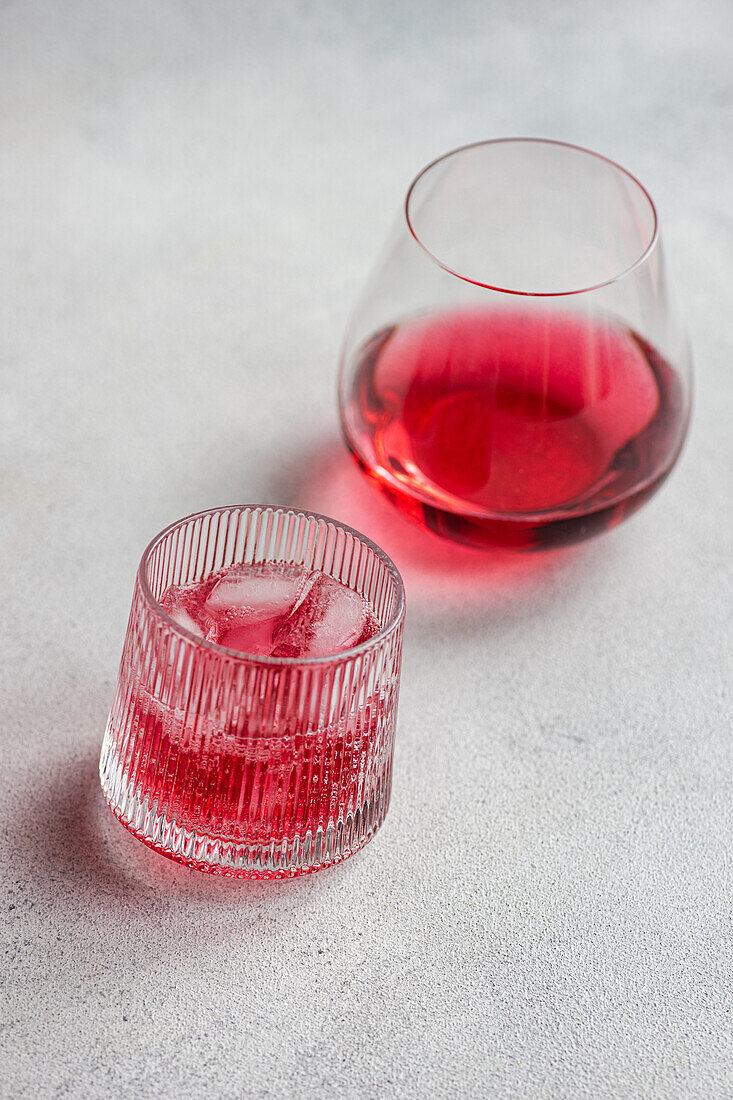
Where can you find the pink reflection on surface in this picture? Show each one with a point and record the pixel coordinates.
(436, 571)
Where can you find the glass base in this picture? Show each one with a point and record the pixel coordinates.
(286, 857)
(503, 532)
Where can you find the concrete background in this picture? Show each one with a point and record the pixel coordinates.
(191, 197)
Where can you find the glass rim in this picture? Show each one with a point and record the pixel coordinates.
(384, 632)
(533, 141)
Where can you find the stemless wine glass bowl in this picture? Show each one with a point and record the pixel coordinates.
(515, 373)
(244, 765)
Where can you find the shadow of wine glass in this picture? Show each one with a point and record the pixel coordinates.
(441, 577)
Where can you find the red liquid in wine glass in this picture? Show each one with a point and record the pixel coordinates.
(507, 429)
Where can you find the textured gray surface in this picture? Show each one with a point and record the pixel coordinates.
(192, 194)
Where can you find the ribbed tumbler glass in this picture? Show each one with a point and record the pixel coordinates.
(249, 766)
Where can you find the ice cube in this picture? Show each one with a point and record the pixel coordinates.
(254, 636)
(173, 602)
(329, 619)
(260, 590)
(183, 619)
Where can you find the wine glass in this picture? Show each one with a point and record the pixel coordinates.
(515, 373)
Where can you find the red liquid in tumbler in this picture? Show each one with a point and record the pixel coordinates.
(276, 774)
(525, 430)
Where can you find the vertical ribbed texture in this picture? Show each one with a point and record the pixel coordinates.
(246, 766)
